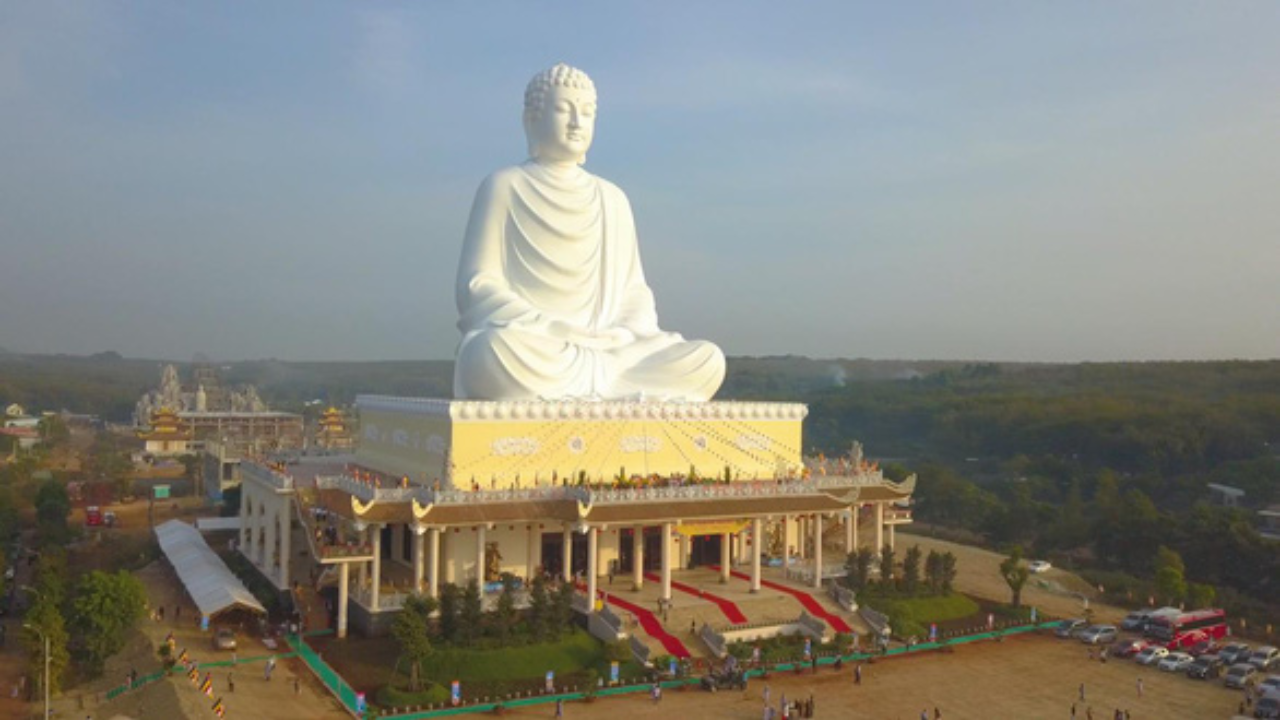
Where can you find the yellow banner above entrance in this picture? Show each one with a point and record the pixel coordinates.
(712, 528)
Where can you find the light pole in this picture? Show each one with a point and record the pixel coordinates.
(45, 638)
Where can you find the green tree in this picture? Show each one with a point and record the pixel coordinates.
(105, 608)
(412, 630)
(471, 614)
(911, 570)
(858, 568)
(53, 507)
(51, 576)
(53, 431)
(48, 619)
(933, 572)
(504, 612)
(1015, 574)
(1171, 582)
(562, 608)
(948, 575)
(450, 611)
(539, 613)
(1200, 595)
(886, 566)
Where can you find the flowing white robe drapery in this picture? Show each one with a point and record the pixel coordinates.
(553, 302)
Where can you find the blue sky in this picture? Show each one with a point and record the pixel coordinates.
(953, 180)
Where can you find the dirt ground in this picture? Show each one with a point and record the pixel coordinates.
(1033, 676)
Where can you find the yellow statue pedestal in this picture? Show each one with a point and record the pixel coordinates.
(504, 444)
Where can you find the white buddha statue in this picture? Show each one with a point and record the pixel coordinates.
(552, 299)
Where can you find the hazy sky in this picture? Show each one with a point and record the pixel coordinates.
(954, 180)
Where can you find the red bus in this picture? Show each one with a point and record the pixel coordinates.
(1188, 628)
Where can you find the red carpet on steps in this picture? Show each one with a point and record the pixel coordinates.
(837, 623)
(727, 607)
(650, 625)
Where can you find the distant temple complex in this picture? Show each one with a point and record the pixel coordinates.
(207, 411)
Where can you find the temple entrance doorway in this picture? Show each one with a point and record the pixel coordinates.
(553, 553)
(652, 550)
(705, 550)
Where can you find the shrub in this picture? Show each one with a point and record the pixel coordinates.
(391, 696)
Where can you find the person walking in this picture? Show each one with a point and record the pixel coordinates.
(1081, 692)
(231, 683)
(1139, 687)
(765, 694)
(857, 674)
(560, 707)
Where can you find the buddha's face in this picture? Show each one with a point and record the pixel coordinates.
(563, 132)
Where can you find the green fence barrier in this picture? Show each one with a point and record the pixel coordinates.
(782, 667)
(325, 673)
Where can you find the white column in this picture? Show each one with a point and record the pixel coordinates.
(377, 566)
(246, 527)
(786, 545)
(419, 562)
(363, 579)
(817, 551)
(848, 533)
(757, 539)
(856, 509)
(879, 527)
(726, 563)
(531, 560)
(666, 561)
(593, 542)
(480, 541)
(637, 557)
(686, 551)
(269, 547)
(567, 555)
(344, 581)
(286, 526)
(892, 535)
(435, 562)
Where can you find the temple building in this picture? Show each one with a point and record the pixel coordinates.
(333, 432)
(235, 418)
(168, 435)
(446, 491)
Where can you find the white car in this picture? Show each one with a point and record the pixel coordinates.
(1151, 655)
(1038, 566)
(1175, 662)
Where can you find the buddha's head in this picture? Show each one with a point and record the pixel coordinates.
(560, 115)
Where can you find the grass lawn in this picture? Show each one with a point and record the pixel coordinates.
(574, 653)
(911, 616)
(369, 663)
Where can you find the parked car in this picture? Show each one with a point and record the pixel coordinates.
(1205, 667)
(1038, 566)
(1128, 647)
(1234, 653)
(1268, 706)
(1240, 675)
(1069, 628)
(224, 639)
(1175, 662)
(1099, 634)
(1204, 647)
(1135, 621)
(1151, 655)
(1269, 684)
(1264, 657)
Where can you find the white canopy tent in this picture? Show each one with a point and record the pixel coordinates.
(208, 580)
